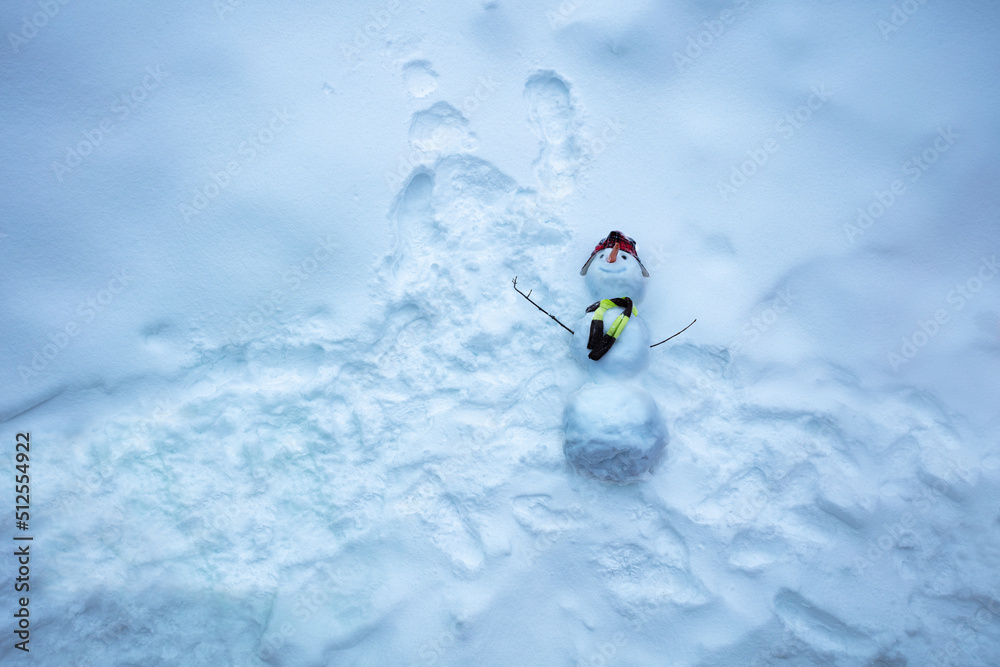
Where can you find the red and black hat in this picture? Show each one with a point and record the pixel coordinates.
(625, 244)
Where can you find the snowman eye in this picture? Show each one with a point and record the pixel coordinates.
(602, 255)
(624, 256)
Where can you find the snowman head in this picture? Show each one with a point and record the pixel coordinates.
(614, 269)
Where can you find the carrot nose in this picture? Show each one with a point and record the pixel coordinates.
(614, 254)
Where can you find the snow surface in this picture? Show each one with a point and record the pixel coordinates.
(302, 418)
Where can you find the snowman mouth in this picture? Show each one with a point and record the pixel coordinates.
(618, 271)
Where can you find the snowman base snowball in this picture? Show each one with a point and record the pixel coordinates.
(613, 432)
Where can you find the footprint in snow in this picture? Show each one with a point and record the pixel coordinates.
(552, 117)
(420, 78)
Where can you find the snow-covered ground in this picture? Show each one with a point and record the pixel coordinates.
(286, 409)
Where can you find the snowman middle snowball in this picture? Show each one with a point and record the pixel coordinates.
(613, 427)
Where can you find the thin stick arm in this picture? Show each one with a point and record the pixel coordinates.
(676, 334)
(528, 295)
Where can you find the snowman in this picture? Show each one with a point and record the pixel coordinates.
(613, 427)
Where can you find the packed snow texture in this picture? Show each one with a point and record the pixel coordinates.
(285, 408)
(613, 432)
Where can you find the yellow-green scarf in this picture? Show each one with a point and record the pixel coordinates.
(600, 342)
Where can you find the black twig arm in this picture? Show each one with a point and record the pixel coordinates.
(676, 334)
(526, 296)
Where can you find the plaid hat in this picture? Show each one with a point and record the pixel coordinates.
(625, 244)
